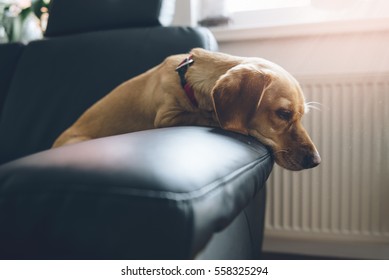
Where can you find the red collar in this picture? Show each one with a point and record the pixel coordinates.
(181, 70)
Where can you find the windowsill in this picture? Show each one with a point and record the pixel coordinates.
(238, 33)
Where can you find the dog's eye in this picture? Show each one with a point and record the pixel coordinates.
(284, 114)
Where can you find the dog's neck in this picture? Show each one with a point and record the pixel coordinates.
(204, 73)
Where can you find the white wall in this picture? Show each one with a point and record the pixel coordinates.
(320, 55)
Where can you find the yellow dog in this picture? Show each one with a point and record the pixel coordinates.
(251, 96)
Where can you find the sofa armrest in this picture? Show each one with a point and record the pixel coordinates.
(157, 194)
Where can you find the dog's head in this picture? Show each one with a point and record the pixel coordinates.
(268, 104)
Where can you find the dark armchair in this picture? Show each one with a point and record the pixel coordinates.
(173, 193)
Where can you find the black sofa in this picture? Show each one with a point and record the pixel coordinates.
(172, 193)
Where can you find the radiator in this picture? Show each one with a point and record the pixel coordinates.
(345, 200)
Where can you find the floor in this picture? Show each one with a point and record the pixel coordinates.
(278, 256)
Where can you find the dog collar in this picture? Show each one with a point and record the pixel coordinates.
(181, 70)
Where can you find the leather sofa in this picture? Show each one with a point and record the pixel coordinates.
(172, 193)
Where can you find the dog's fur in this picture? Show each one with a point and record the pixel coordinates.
(251, 96)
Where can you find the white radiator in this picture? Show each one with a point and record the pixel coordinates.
(340, 208)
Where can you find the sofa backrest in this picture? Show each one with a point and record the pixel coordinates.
(59, 77)
(75, 16)
(9, 57)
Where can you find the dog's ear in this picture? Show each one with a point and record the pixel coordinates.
(237, 95)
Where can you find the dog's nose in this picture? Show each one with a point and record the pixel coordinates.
(311, 160)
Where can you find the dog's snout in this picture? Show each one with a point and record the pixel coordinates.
(311, 160)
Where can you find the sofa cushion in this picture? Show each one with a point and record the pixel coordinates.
(75, 16)
(59, 78)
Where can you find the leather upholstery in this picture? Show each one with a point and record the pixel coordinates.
(75, 16)
(153, 194)
(9, 56)
(242, 239)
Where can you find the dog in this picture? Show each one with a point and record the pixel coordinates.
(247, 95)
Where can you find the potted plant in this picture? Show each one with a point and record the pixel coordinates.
(22, 20)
